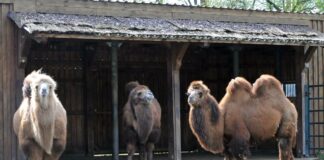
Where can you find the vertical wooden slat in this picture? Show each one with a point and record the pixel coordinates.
(2, 57)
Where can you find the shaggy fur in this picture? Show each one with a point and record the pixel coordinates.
(141, 120)
(205, 117)
(41, 123)
(27, 82)
(260, 112)
(26, 92)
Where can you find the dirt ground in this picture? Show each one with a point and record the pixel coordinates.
(185, 156)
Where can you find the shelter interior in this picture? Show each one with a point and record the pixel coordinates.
(82, 70)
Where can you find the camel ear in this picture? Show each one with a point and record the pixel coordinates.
(39, 71)
(206, 91)
(130, 86)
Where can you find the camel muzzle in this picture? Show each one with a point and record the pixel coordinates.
(149, 96)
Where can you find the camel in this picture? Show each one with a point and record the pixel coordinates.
(246, 113)
(40, 122)
(141, 120)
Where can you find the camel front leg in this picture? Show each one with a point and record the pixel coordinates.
(142, 152)
(130, 150)
(31, 149)
(57, 150)
(149, 148)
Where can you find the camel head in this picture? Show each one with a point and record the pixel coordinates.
(197, 91)
(43, 88)
(26, 89)
(239, 87)
(141, 94)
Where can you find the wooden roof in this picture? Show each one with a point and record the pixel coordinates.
(159, 29)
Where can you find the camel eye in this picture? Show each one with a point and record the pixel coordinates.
(36, 86)
(200, 94)
(139, 93)
(50, 87)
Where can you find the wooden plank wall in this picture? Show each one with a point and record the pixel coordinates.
(315, 76)
(10, 85)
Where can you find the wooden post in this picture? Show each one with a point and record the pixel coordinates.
(88, 52)
(236, 59)
(299, 99)
(174, 59)
(114, 88)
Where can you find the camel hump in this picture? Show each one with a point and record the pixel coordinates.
(239, 83)
(265, 82)
(130, 86)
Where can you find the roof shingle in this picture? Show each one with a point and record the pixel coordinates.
(166, 29)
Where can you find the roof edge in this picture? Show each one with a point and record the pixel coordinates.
(150, 10)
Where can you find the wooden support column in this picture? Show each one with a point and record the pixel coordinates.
(174, 59)
(236, 59)
(88, 51)
(114, 88)
(299, 61)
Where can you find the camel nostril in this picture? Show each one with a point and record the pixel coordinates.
(43, 91)
(190, 99)
(149, 96)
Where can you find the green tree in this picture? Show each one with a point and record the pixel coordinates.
(292, 5)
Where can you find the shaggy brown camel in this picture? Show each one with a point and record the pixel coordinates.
(244, 114)
(41, 123)
(141, 120)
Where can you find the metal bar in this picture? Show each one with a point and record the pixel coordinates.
(315, 85)
(114, 86)
(317, 135)
(316, 123)
(316, 98)
(316, 110)
(317, 148)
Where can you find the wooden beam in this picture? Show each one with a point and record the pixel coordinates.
(174, 59)
(24, 44)
(163, 11)
(309, 53)
(299, 61)
(39, 36)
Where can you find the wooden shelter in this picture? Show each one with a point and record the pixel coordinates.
(92, 48)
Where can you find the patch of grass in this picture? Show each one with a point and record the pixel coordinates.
(320, 155)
